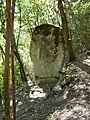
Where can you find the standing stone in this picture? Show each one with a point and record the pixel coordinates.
(47, 53)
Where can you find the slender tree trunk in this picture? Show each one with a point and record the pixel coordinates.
(12, 59)
(22, 71)
(20, 13)
(9, 38)
(68, 45)
(2, 52)
(7, 57)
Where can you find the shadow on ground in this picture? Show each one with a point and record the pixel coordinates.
(71, 103)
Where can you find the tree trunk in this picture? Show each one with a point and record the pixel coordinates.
(7, 57)
(12, 59)
(2, 52)
(22, 72)
(65, 30)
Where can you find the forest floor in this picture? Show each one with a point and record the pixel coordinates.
(71, 103)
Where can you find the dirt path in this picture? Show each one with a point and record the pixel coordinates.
(71, 103)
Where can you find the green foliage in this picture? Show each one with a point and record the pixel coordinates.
(49, 94)
(2, 80)
(49, 117)
(79, 22)
(38, 12)
(2, 16)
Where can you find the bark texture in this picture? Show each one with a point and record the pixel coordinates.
(65, 30)
(12, 59)
(7, 57)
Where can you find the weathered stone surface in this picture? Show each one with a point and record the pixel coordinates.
(47, 52)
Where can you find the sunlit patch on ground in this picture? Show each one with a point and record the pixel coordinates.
(36, 92)
(87, 61)
(78, 112)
